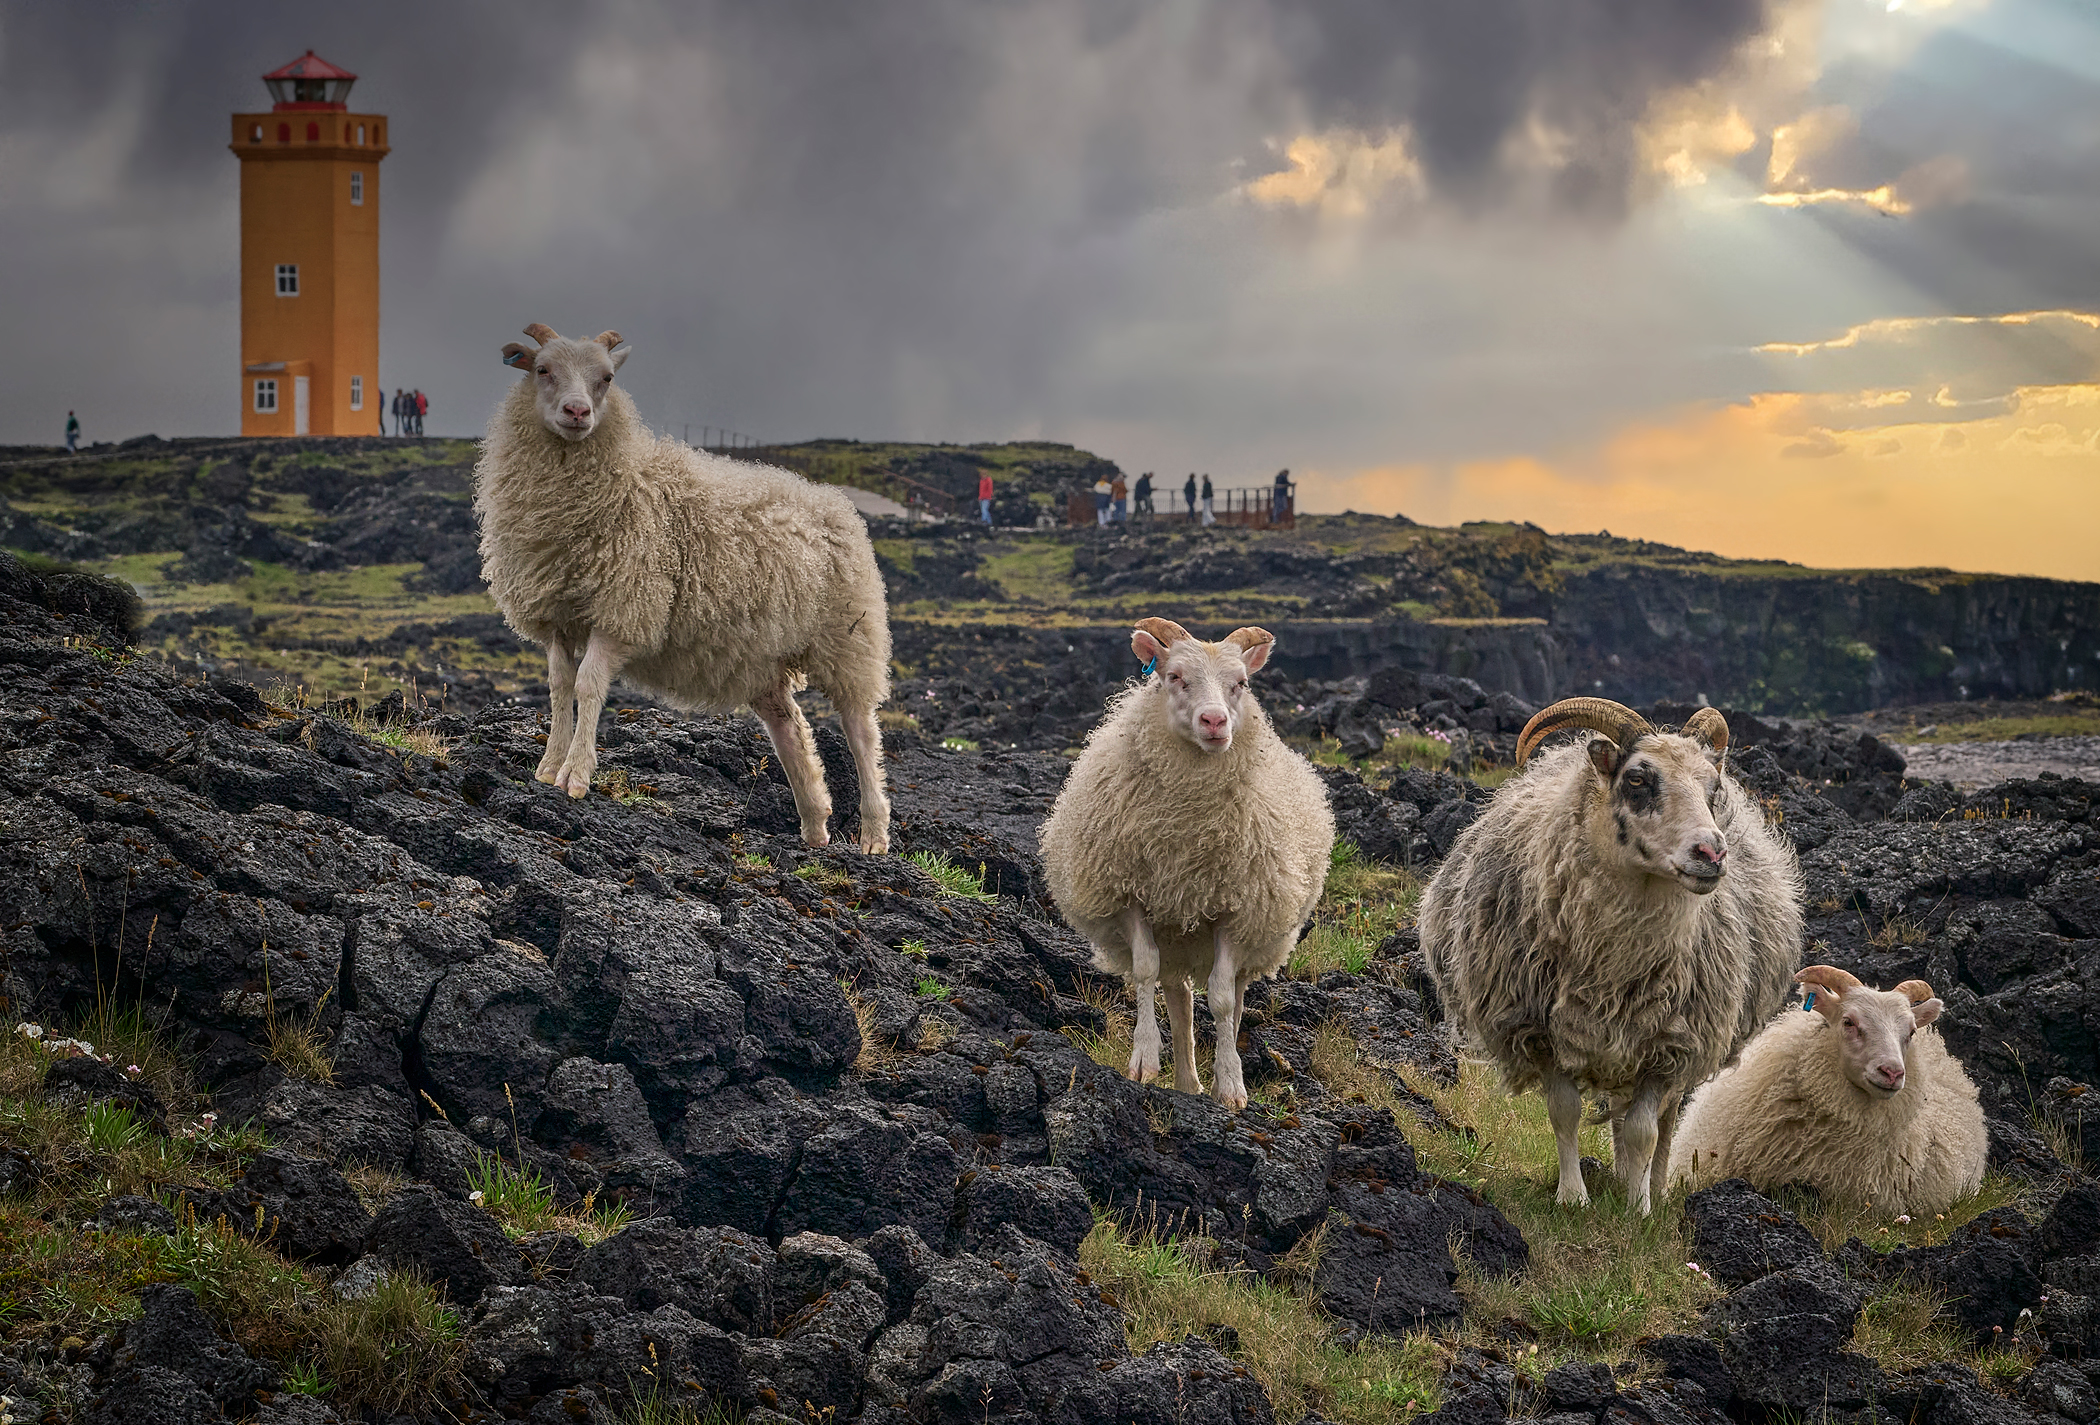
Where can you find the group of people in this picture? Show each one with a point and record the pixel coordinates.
(409, 409)
(1112, 506)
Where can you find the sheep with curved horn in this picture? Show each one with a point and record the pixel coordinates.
(1619, 921)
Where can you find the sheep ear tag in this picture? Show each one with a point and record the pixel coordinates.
(1150, 664)
(517, 355)
(1810, 1002)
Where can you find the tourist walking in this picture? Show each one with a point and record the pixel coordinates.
(422, 404)
(1144, 493)
(1120, 494)
(72, 433)
(400, 411)
(1282, 500)
(984, 496)
(1102, 496)
(1188, 493)
(1210, 515)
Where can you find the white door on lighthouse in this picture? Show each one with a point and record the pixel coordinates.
(302, 404)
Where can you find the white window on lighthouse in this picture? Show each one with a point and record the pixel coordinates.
(357, 393)
(266, 395)
(357, 190)
(287, 279)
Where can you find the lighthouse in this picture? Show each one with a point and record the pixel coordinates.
(310, 256)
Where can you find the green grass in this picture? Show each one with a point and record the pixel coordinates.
(930, 988)
(958, 744)
(1168, 1288)
(1364, 903)
(1032, 571)
(523, 1203)
(60, 1279)
(823, 877)
(953, 880)
(914, 948)
(2083, 722)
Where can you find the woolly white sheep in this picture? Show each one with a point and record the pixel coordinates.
(1619, 921)
(713, 583)
(1859, 1099)
(1189, 843)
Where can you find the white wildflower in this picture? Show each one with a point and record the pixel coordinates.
(475, 1197)
(32, 1031)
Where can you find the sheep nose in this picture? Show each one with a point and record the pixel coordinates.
(1213, 724)
(1891, 1076)
(575, 411)
(1716, 852)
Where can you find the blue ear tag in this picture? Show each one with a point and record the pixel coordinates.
(1146, 671)
(1810, 1002)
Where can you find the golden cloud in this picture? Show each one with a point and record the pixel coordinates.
(1341, 173)
(1895, 328)
(2017, 491)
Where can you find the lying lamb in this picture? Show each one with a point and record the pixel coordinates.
(1189, 843)
(711, 582)
(1618, 921)
(1860, 1100)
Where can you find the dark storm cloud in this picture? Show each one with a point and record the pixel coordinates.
(917, 217)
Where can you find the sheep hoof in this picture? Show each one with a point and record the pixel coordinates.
(1231, 1102)
(875, 840)
(1572, 1194)
(543, 775)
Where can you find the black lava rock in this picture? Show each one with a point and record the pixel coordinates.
(1740, 1235)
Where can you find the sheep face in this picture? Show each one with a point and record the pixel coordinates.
(1873, 1027)
(1662, 789)
(1203, 685)
(570, 379)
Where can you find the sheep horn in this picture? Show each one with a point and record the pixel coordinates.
(1916, 990)
(1615, 720)
(1709, 727)
(542, 333)
(1829, 978)
(608, 339)
(1165, 630)
(1246, 638)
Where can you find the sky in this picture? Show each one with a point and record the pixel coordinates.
(1815, 280)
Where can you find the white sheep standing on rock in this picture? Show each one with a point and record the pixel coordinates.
(1620, 921)
(713, 583)
(1858, 1098)
(1189, 843)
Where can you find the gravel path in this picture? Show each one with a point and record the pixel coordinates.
(1978, 764)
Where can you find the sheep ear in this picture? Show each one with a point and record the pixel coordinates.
(1254, 644)
(519, 355)
(542, 333)
(1925, 1011)
(1604, 756)
(619, 356)
(1145, 648)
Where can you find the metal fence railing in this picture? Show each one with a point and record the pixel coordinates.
(1249, 507)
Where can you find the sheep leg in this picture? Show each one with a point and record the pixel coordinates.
(1633, 1139)
(1564, 1108)
(1181, 1013)
(865, 739)
(602, 659)
(1144, 983)
(561, 708)
(1665, 1131)
(1228, 1086)
(797, 751)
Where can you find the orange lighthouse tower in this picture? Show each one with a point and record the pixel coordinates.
(310, 256)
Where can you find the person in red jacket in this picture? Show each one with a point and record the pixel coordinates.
(984, 496)
(422, 409)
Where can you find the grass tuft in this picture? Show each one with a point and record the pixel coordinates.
(1171, 1287)
(1365, 902)
(523, 1203)
(953, 880)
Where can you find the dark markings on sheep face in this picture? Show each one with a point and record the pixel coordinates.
(1641, 847)
(1639, 788)
(1620, 818)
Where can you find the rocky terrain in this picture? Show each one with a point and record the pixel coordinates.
(852, 1112)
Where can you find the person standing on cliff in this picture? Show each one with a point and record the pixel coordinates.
(1188, 493)
(1282, 499)
(1144, 493)
(72, 433)
(984, 496)
(1210, 514)
(1119, 494)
